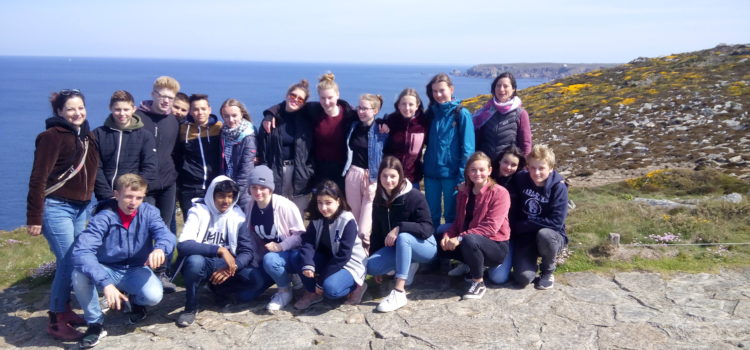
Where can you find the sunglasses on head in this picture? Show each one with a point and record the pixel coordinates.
(68, 92)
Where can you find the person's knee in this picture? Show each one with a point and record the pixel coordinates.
(523, 278)
(80, 280)
(193, 265)
(273, 260)
(470, 242)
(548, 241)
(404, 239)
(151, 294)
(333, 290)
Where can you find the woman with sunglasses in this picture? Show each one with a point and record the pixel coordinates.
(60, 187)
(287, 147)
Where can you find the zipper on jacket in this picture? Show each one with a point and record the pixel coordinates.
(203, 157)
(117, 162)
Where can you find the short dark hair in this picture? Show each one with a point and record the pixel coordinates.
(181, 96)
(121, 96)
(326, 188)
(198, 97)
(227, 186)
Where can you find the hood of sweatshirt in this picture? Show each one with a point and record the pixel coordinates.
(147, 106)
(135, 124)
(552, 180)
(62, 123)
(208, 199)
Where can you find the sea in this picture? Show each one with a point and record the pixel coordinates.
(26, 83)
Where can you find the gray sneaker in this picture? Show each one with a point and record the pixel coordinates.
(93, 334)
(166, 283)
(545, 281)
(186, 318)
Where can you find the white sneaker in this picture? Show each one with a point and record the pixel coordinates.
(279, 300)
(412, 271)
(460, 270)
(392, 302)
(296, 281)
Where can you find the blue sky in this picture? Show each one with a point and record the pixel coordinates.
(387, 31)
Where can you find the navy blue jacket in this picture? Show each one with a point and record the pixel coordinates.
(106, 242)
(534, 208)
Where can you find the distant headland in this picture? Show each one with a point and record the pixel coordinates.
(547, 71)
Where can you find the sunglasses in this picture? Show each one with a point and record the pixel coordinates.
(295, 98)
(68, 92)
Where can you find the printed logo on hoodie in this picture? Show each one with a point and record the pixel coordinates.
(215, 238)
(532, 206)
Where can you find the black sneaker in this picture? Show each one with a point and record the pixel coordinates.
(186, 318)
(475, 291)
(545, 281)
(137, 313)
(166, 283)
(93, 334)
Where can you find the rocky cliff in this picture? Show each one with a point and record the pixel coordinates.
(682, 108)
(548, 71)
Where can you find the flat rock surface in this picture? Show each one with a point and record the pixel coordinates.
(627, 310)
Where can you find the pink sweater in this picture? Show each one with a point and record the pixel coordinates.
(288, 222)
(490, 213)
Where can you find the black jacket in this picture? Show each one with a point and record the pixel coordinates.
(409, 211)
(498, 133)
(270, 153)
(131, 150)
(164, 127)
(198, 154)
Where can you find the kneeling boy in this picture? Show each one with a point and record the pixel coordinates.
(124, 240)
(539, 209)
(213, 235)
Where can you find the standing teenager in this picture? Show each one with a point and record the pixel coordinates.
(408, 129)
(239, 153)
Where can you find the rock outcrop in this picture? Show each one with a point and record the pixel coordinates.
(683, 108)
(547, 71)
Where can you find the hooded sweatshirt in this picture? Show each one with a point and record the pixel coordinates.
(122, 151)
(206, 229)
(449, 143)
(536, 207)
(58, 151)
(198, 154)
(287, 226)
(164, 127)
(105, 241)
(406, 141)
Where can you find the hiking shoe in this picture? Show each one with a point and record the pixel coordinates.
(93, 334)
(545, 281)
(412, 271)
(70, 317)
(355, 297)
(307, 300)
(394, 301)
(166, 283)
(137, 313)
(279, 300)
(186, 318)
(460, 270)
(475, 291)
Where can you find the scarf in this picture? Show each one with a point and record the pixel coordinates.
(487, 111)
(232, 137)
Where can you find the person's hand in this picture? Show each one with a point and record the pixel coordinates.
(452, 244)
(444, 242)
(308, 273)
(378, 279)
(156, 258)
(384, 129)
(318, 290)
(269, 125)
(273, 247)
(34, 230)
(114, 297)
(390, 238)
(225, 254)
(220, 276)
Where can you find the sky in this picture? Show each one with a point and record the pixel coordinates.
(377, 31)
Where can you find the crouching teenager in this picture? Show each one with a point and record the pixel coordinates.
(540, 206)
(479, 237)
(331, 259)
(124, 240)
(214, 234)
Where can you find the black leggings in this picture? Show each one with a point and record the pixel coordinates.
(477, 251)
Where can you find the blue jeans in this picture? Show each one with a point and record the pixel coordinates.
(408, 249)
(441, 198)
(62, 222)
(279, 266)
(335, 286)
(247, 283)
(140, 283)
(501, 273)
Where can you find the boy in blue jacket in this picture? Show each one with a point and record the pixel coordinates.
(540, 206)
(123, 242)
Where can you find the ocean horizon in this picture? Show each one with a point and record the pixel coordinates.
(28, 81)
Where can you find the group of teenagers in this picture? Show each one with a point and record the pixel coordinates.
(244, 193)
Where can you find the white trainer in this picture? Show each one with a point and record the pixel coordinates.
(279, 300)
(394, 301)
